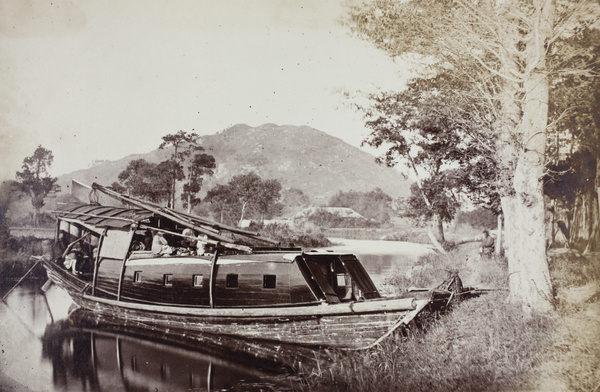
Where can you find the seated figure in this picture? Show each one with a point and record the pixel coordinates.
(160, 246)
(187, 242)
(73, 258)
(202, 244)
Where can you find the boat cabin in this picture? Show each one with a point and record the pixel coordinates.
(113, 250)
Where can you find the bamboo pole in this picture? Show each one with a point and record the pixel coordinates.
(162, 213)
(174, 216)
(171, 213)
(20, 280)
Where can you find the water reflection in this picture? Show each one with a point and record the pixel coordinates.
(78, 350)
(102, 361)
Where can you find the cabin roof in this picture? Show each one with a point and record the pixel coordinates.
(103, 216)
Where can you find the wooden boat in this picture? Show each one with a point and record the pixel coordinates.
(223, 287)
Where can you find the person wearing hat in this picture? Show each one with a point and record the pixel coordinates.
(160, 246)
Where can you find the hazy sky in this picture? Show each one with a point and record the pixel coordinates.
(102, 79)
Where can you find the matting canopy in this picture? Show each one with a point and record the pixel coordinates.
(103, 216)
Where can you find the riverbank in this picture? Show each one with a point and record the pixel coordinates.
(485, 343)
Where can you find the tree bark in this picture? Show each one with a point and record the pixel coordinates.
(500, 237)
(529, 277)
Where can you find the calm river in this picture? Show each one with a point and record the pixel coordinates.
(43, 350)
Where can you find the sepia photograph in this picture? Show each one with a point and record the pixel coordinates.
(300, 195)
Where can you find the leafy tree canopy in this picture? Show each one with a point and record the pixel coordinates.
(35, 178)
(150, 181)
(245, 195)
(201, 165)
(186, 145)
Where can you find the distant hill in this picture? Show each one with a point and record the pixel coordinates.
(298, 156)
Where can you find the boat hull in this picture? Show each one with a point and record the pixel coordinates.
(348, 325)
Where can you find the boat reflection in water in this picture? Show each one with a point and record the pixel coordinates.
(104, 359)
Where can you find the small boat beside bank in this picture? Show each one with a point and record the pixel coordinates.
(214, 279)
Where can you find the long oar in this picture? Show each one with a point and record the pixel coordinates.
(20, 280)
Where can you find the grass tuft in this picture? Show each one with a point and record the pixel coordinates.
(484, 343)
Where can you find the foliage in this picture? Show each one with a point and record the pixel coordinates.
(115, 186)
(435, 131)
(573, 145)
(443, 202)
(10, 191)
(184, 145)
(373, 205)
(575, 97)
(15, 260)
(35, 179)
(500, 54)
(292, 237)
(479, 218)
(4, 232)
(571, 177)
(201, 165)
(148, 180)
(245, 195)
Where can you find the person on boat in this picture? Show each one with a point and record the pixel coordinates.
(202, 244)
(73, 258)
(137, 245)
(487, 243)
(160, 246)
(148, 239)
(187, 241)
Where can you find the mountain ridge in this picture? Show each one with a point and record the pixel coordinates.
(298, 156)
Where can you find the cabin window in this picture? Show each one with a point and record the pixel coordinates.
(137, 277)
(231, 281)
(168, 279)
(341, 280)
(269, 281)
(197, 281)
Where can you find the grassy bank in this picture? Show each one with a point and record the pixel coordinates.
(484, 343)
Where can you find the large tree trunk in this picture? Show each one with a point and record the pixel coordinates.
(529, 277)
